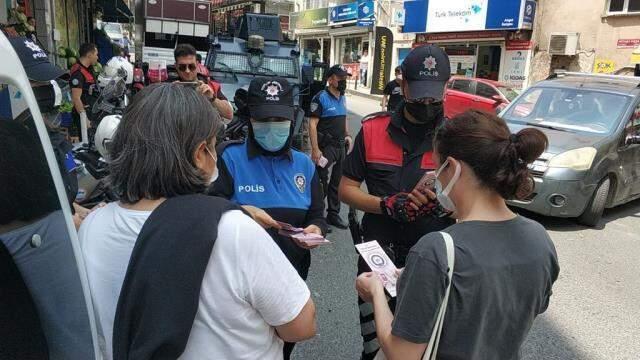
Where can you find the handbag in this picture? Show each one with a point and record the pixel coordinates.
(432, 347)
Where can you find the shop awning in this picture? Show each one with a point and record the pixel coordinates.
(114, 11)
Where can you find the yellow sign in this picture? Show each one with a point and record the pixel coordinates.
(603, 66)
(635, 57)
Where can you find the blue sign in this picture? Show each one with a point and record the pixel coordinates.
(433, 16)
(529, 14)
(345, 12)
(366, 15)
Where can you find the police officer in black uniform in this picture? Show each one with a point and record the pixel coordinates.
(328, 134)
(391, 153)
(83, 88)
(268, 178)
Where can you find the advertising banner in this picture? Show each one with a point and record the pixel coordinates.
(366, 13)
(344, 12)
(516, 68)
(382, 60)
(468, 15)
(312, 18)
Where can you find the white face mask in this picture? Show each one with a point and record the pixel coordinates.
(399, 77)
(214, 176)
(443, 195)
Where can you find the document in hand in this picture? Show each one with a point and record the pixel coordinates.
(298, 234)
(380, 264)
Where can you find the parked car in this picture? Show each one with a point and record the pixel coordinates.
(462, 94)
(593, 159)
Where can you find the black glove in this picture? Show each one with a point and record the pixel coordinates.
(398, 207)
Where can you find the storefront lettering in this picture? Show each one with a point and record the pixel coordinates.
(383, 62)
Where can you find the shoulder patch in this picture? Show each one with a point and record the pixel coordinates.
(376, 115)
(225, 144)
(75, 82)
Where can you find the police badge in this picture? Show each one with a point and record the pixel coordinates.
(300, 182)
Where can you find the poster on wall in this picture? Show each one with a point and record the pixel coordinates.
(462, 65)
(516, 68)
(382, 60)
(603, 66)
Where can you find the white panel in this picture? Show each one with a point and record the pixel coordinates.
(185, 29)
(201, 30)
(169, 27)
(154, 26)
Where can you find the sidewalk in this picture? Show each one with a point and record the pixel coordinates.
(362, 92)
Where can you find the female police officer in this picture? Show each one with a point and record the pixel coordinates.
(268, 178)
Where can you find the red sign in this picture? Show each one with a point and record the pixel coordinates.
(353, 69)
(519, 44)
(628, 43)
(423, 38)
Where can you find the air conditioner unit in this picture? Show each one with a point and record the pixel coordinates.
(563, 43)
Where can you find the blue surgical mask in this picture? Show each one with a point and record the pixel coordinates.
(443, 195)
(272, 136)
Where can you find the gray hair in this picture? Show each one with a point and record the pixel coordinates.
(153, 147)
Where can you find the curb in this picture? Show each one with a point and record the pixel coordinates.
(364, 95)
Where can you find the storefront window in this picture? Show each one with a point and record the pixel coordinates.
(311, 51)
(349, 50)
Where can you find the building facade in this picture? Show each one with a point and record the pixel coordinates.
(587, 36)
(488, 39)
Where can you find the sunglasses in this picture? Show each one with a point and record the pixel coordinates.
(183, 67)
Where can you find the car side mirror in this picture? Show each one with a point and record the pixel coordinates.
(632, 140)
(498, 99)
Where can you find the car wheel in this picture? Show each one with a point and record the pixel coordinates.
(592, 214)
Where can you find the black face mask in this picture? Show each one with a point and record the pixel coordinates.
(423, 113)
(342, 86)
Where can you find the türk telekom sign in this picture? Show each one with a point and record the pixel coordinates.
(468, 15)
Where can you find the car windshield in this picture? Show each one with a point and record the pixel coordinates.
(508, 92)
(568, 109)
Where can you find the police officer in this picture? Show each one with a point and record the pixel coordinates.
(328, 134)
(268, 178)
(83, 89)
(391, 153)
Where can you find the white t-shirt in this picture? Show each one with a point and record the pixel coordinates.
(249, 286)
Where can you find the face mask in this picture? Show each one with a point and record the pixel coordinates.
(443, 195)
(423, 113)
(342, 86)
(399, 77)
(214, 176)
(271, 136)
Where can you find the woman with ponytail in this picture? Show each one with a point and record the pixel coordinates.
(505, 264)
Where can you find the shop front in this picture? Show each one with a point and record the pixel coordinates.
(311, 27)
(489, 40)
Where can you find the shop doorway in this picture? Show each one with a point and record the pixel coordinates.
(488, 61)
(326, 50)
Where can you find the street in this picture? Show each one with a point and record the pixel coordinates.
(594, 311)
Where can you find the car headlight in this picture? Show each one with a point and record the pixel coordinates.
(578, 159)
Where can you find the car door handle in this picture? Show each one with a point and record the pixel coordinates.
(476, 99)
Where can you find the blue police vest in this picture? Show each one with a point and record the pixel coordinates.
(330, 105)
(270, 181)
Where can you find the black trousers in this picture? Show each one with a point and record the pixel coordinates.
(331, 174)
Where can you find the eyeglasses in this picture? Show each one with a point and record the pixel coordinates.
(183, 67)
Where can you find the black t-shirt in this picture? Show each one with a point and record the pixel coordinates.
(394, 91)
(502, 280)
